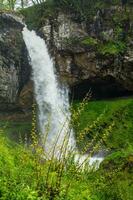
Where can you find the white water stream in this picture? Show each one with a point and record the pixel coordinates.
(52, 99)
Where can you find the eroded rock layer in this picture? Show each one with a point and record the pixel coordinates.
(93, 55)
(14, 66)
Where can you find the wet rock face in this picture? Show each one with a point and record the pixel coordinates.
(77, 64)
(60, 31)
(14, 67)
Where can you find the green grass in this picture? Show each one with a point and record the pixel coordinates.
(119, 111)
(94, 108)
(25, 174)
(16, 130)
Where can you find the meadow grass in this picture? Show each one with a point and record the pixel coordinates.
(26, 173)
(119, 111)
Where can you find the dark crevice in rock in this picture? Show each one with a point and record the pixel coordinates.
(25, 71)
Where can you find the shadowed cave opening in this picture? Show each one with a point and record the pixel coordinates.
(105, 88)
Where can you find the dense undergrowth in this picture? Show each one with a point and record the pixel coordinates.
(25, 174)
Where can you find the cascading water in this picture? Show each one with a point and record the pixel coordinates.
(52, 99)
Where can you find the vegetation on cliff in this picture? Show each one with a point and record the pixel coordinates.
(115, 15)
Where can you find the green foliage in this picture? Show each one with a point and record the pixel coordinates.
(98, 115)
(85, 9)
(89, 41)
(116, 172)
(16, 129)
(7, 4)
(35, 16)
(112, 48)
(26, 174)
(113, 184)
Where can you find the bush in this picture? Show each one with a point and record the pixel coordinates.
(112, 48)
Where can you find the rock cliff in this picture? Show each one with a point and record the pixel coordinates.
(96, 55)
(14, 65)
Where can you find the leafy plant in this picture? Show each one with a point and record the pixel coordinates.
(89, 41)
(112, 48)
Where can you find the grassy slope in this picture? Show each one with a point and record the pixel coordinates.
(119, 111)
(23, 176)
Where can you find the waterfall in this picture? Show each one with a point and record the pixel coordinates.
(52, 99)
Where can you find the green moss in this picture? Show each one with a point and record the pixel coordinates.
(89, 41)
(112, 48)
